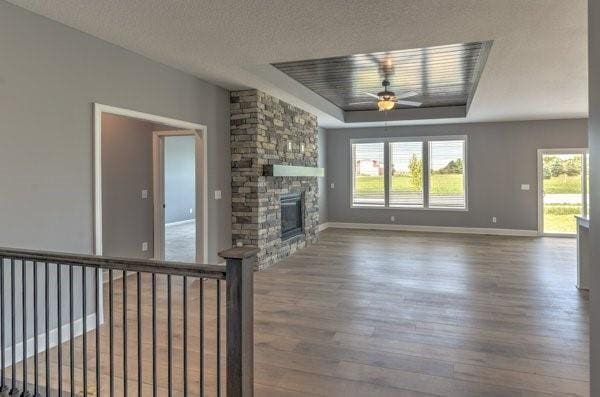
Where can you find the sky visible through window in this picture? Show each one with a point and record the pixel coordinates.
(443, 152)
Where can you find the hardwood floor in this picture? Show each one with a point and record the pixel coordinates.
(376, 313)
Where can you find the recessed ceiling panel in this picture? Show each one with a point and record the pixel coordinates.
(439, 76)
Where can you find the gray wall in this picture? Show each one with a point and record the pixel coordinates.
(127, 219)
(180, 178)
(501, 157)
(322, 162)
(594, 137)
(50, 75)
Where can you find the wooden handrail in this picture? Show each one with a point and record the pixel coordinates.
(238, 274)
(114, 263)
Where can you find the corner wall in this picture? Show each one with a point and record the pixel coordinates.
(322, 162)
(594, 138)
(500, 157)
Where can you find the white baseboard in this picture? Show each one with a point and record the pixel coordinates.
(323, 226)
(53, 336)
(431, 229)
(180, 222)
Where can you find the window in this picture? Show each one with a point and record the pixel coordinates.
(368, 174)
(410, 173)
(446, 174)
(406, 178)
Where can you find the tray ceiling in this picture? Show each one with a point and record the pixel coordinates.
(441, 76)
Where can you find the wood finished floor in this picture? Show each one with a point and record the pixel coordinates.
(375, 313)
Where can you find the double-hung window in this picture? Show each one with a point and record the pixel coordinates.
(420, 172)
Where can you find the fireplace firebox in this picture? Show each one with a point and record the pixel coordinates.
(292, 210)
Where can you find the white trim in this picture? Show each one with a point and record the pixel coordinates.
(433, 229)
(201, 192)
(322, 226)
(180, 222)
(407, 208)
(201, 129)
(53, 336)
(540, 187)
(417, 138)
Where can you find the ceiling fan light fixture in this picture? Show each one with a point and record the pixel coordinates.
(385, 104)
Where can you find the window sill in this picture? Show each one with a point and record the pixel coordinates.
(392, 208)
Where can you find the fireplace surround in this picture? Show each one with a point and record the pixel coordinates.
(267, 133)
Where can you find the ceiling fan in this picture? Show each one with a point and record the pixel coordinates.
(386, 100)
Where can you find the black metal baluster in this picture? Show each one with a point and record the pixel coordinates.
(185, 339)
(36, 388)
(24, 324)
(3, 387)
(169, 336)
(84, 316)
(59, 315)
(111, 346)
(201, 300)
(97, 310)
(154, 366)
(13, 327)
(124, 274)
(47, 324)
(71, 333)
(139, 331)
(218, 338)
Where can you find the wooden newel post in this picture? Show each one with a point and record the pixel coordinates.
(240, 320)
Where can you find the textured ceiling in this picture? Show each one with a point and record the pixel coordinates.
(434, 76)
(537, 67)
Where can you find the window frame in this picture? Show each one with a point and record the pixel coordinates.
(425, 140)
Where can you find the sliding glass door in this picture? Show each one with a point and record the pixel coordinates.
(563, 191)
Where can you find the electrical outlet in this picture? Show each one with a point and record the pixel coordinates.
(217, 195)
(145, 194)
(333, 185)
(494, 219)
(145, 246)
(289, 145)
(525, 186)
(392, 218)
(302, 147)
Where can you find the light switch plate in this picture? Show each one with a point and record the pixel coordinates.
(333, 185)
(217, 195)
(145, 246)
(525, 186)
(145, 194)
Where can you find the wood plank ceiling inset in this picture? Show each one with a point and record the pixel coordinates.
(442, 76)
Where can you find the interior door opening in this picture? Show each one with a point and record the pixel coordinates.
(563, 190)
(176, 191)
(179, 179)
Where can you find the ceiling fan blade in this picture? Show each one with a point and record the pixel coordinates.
(362, 103)
(406, 94)
(409, 103)
(369, 94)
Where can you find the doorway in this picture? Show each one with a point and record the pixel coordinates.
(562, 190)
(176, 159)
(139, 195)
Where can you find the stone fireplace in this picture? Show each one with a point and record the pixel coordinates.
(277, 214)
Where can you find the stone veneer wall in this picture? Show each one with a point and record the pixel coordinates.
(262, 127)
